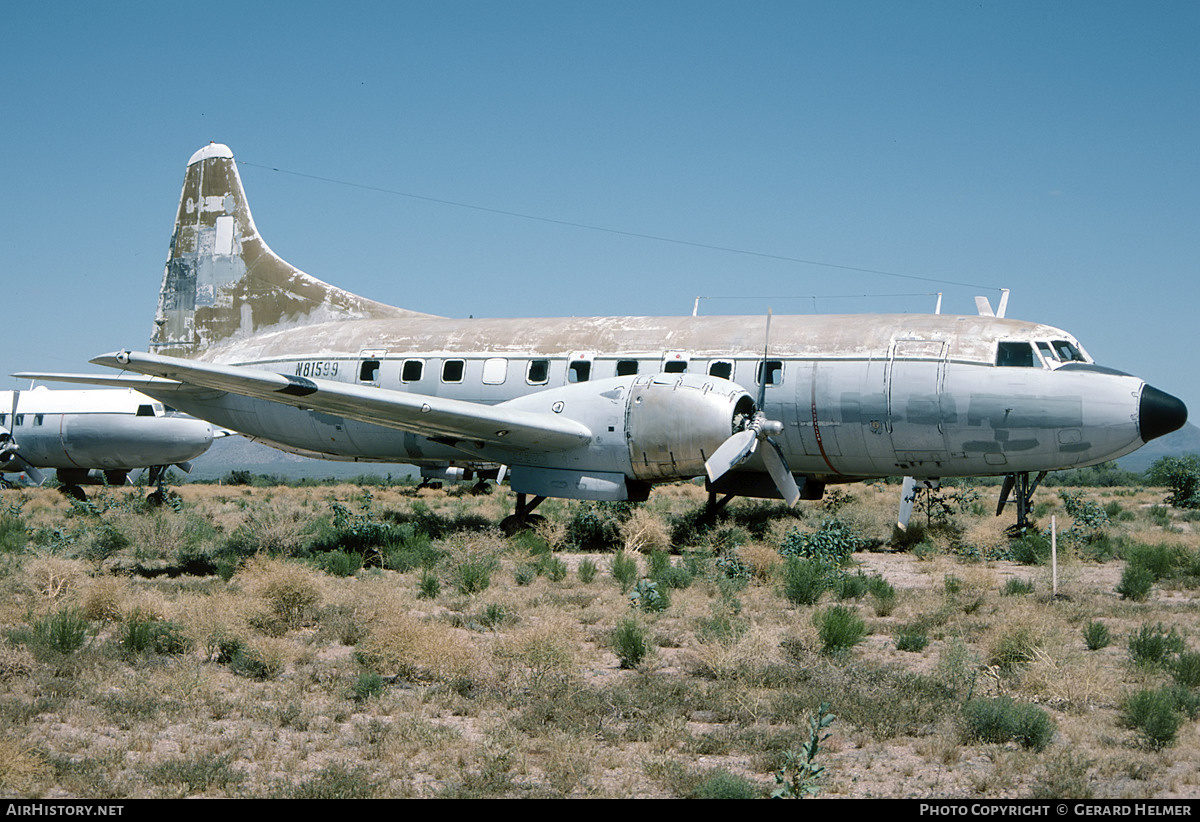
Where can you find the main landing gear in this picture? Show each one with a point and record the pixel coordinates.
(524, 518)
(1024, 488)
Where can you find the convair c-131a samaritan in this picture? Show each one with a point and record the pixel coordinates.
(604, 408)
(96, 437)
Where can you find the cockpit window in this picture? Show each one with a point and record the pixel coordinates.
(1068, 352)
(1016, 355)
(1047, 352)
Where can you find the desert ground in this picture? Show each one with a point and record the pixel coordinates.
(388, 641)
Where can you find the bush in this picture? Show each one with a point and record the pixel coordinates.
(1017, 587)
(1153, 714)
(624, 570)
(586, 571)
(648, 597)
(146, 634)
(1136, 583)
(840, 628)
(912, 638)
(724, 785)
(1182, 476)
(630, 643)
(1096, 635)
(60, 633)
(1002, 720)
(1154, 646)
(832, 543)
(804, 580)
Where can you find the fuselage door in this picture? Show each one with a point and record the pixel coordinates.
(370, 360)
(915, 384)
(579, 368)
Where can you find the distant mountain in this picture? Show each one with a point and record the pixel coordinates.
(240, 454)
(1184, 441)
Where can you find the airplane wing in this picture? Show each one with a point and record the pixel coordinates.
(435, 417)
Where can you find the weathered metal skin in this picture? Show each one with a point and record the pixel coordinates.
(857, 395)
(101, 429)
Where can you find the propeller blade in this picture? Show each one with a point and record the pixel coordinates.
(732, 452)
(32, 471)
(777, 467)
(185, 467)
(908, 494)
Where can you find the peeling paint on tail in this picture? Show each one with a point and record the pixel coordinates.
(222, 282)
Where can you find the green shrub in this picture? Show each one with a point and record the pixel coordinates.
(60, 633)
(1001, 719)
(912, 638)
(839, 628)
(1015, 586)
(805, 580)
(624, 569)
(1096, 635)
(13, 534)
(851, 586)
(143, 634)
(1182, 476)
(429, 586)
(630, 642)
(340, 563)
(369, 684)
(724, 785)
(833, 543)
(1030, 549)
(884, 595)
(1136, 583)
(648, 597)
(1186, 669)
(1153, 714)
(1154, 645)
(474, 574)
(586, 571)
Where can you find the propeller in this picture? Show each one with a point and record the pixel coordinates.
(908, 495)
(10, 451)
(756, 428)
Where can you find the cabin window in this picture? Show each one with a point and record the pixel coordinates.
(770, 372)
(1068, 352)
(495, 369)
(722, 369)
(412, 371)
(145, 411)
(1015, 355)
(368, 371)
(627, 368)
(579, 371)
(3, 419)
(538, 372)
(38, 419)
(452, 370)
(18, 419)
(675, 367)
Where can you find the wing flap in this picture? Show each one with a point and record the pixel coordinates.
(417, 413)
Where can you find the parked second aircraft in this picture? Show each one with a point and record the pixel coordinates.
(604, 408)
(93, 437)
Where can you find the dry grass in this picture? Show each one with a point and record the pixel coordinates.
(291, 681)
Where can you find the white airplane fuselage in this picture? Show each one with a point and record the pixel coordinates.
(113, 430)
(858, 396)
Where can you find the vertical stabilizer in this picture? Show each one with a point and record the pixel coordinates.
(223, 283)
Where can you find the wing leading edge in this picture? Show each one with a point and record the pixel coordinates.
(416, 413)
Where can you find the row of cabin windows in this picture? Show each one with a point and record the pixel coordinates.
(19, 419)
(537, 372)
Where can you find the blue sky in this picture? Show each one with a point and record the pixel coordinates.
(1049, 148)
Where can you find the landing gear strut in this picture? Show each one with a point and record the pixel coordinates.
(157, 478)
(1024, 488)
(524, 517)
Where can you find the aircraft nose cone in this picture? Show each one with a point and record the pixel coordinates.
(1159, 413)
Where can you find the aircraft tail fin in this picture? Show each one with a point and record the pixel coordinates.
(222, 282)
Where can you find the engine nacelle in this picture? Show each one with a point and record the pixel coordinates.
(646, 429)
(674, 423)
